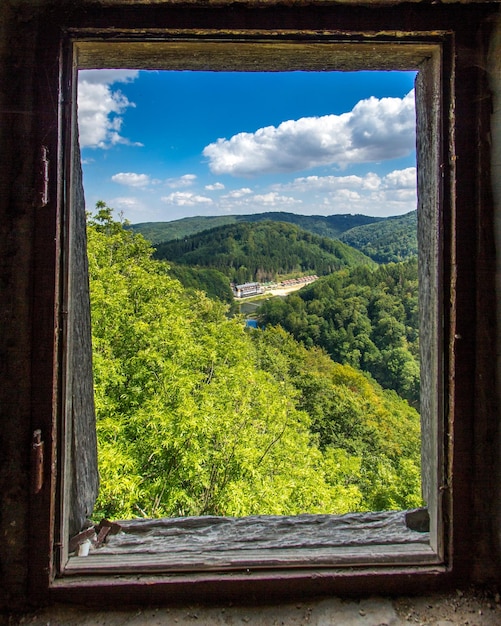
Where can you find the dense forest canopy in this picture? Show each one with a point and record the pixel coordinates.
(261, 251)
(215, 284)
(390, 240)
(198, 415)
(364, 317)
(325, 226)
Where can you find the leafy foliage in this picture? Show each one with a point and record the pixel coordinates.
(388, 241)
(362, 317)
(213, 283)
(368, 434)
(261, 251)
(331, 226)
(197, 415)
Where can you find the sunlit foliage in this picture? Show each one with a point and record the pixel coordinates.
(197, 415)
(364, 317)
(261, 251)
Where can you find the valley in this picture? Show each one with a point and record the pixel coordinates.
(198, 414)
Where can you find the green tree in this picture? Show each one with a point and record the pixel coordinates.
(197, 415)
(362, 317)
(188, 423)
(374, 431)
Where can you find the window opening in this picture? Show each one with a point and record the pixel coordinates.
(276, 353)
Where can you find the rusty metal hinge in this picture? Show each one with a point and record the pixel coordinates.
(37, 446)
(44, 177)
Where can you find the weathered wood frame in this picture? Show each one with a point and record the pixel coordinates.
(449, 219)
(241, 51)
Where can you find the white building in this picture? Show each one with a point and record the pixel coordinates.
(247, 289)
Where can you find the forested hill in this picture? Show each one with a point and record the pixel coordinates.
(362, 317)
(197, 415)
(325, 226)
(390, 240)
(260, 251)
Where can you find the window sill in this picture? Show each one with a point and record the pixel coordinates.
(204, 544)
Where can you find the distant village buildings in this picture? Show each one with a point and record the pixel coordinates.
(254, 289)
(304, 280)
(247, 289)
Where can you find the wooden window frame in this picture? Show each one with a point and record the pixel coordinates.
(243, 51)
(361, 41)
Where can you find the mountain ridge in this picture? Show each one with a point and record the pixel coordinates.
(325, 226)
(261, 251)
(391, 240)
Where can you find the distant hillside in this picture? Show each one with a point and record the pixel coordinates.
(331, 226)
(158, 232)
(364, 317)
(214, 283)
(261, 251)
(391, 240)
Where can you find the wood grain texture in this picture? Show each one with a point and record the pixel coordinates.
(81, 420)
(429, 105)
(174, 51)
(262, 541)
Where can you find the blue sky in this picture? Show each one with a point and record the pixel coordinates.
(159, 146)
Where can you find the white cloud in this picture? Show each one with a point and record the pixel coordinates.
(107, 77)
(273, 199)
(214, 187)
(125, 202)
(249, 202)
(238, 193)
(403, 179)
(397, 179)
(185, 198)
(370, 194)
(392, 194)
(100, 108)
(136, 210)
(182, 181)
(130, 179)
(374, 130)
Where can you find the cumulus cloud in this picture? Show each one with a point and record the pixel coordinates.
(136, 210)
(274, 199)
(130, 179)
(374, 130)
(185, 198)
(397, 179)
(107, 77)
(369, 194)
(126, 204)
(401, 179)
(182, 181)
(100, 107)
(214, 187)
(249, 202)
(238, 193)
